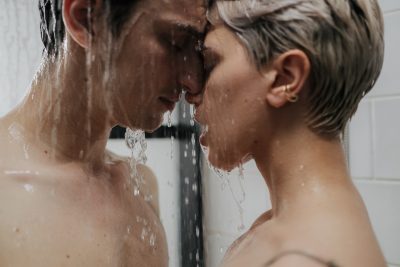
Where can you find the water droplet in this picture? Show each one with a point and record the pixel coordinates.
(136, 191)
(194, 188)
(192, 115)
(172, 146)
(148, 198)
(152, 240)
(143, 234)
(29, 188)
(169, 119)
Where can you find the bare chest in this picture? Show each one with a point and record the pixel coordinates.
(46, 226)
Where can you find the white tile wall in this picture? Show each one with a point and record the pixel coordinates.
(20, 50)
(360, 142)
(382, 200)
(389, 5)
(388, 83)
(387, 138)
(216, 246)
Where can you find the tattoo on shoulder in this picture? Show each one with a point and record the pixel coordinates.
(303, 254)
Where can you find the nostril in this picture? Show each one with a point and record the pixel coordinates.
(194, 99)
(191, 84)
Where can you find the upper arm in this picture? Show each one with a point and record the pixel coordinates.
(150, 187)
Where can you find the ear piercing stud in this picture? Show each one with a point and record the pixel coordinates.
(291, 97)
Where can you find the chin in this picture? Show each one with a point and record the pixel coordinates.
(150, 124)
(152, 127)
(222, 161)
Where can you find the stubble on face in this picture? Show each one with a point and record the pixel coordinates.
(148, 64)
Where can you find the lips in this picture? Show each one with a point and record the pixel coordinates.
(203, 136)
(203, 139)
(169, 103)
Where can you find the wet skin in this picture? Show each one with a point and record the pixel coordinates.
(316, 209)
(65, 200)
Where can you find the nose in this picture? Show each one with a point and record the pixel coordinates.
(191, 79)
(193, 88)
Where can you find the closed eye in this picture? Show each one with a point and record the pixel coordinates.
(211, 60)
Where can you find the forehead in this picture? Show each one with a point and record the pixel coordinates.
(187, 11)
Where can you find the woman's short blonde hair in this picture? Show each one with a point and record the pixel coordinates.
(343, 40)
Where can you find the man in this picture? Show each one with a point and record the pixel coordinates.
(65, 201)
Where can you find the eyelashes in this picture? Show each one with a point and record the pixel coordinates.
(210, 61)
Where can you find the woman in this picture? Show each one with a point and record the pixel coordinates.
(284, 78)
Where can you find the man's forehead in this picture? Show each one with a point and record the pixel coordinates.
(188, 12)
(192, 7)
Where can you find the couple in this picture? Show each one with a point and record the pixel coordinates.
(275, 81)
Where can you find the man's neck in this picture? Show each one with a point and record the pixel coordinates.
(63, 116)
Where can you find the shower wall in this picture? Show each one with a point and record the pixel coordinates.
(374, 156)
(20, 49)
(375, 144)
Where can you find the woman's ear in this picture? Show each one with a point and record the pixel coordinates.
(293, 69)
(78, 17)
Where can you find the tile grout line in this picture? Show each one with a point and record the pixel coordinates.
(394, 96)
(391, 12)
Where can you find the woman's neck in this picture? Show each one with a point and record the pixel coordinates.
(300, 166)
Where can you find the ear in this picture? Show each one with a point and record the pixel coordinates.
(293, 69)
(78, 17)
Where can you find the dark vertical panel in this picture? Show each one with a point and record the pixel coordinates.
(192, 254)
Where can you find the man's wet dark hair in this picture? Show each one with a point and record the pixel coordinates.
(52, 27)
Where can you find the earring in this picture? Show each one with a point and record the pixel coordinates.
(291, 97)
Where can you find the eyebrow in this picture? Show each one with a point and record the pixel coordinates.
(190, 29)
(210, 52)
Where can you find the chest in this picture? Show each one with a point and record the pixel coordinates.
(57, 228)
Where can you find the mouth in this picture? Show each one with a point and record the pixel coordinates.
(169, 103)
(203, 137)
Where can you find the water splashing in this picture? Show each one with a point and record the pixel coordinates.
(169, 119)
(193, 141)
(136, 142)
(191, 115)
(172, 146)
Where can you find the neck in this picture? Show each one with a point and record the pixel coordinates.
(63, 114)
(300, 167)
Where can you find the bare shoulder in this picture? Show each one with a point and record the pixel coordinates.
(149, 183)
(298, 259)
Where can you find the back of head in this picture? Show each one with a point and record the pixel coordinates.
(52, 27)
(342, 39)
